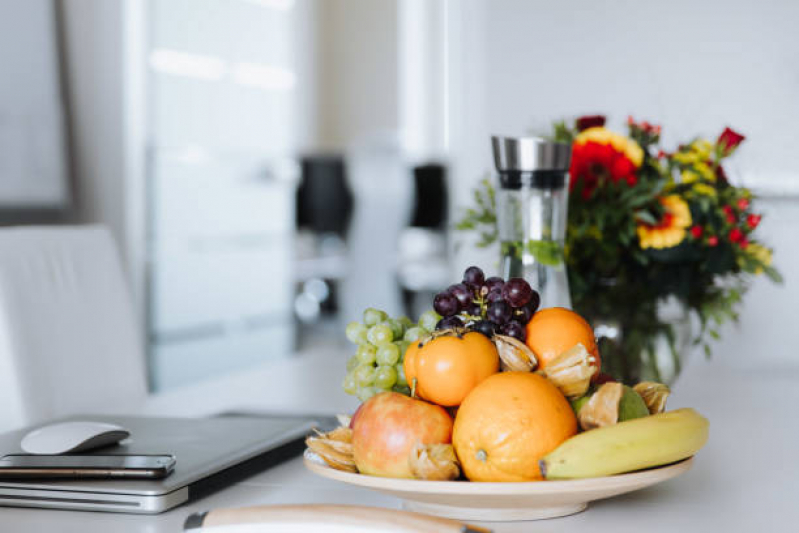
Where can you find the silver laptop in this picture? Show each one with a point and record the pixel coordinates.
(210, 453)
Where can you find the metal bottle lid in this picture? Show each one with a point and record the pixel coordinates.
(530, 154)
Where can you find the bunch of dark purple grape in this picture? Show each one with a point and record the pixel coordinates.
(488, 306)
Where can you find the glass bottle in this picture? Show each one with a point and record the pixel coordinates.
(532, 201)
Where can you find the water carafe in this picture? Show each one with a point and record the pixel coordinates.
(532, 196)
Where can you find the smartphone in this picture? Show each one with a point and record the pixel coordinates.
(86, 466)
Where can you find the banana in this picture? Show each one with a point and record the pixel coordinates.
(631, 445)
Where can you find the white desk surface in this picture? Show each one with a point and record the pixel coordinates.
(746, 478)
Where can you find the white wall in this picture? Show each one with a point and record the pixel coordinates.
(693, 67)
(357, 58)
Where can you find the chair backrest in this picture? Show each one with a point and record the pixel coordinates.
(68, 336)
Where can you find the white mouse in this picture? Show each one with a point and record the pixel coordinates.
(66, 437)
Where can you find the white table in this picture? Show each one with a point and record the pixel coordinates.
(746, 478)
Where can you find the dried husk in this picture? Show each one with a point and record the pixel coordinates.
(344, 420)
(571, 371)
(603, 407)
(654, 395)
(514, 355)
(434, 462)
(335, 448)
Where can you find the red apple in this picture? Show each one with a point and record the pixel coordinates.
(388, 426)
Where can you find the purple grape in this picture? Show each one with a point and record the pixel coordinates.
(494, 295)
(517, 292)
(534, 302)
(499, 312)
(485, 327)
(522, 314)
(449, 322)
(474, 276)
(474, 309)
(494, 282)
(513, 329)
(445, 304)
(462, 293)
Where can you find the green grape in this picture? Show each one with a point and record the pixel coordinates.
(380, 334)
(388, 354)
(352, 363)
(403, 347)
(366, 392)
(397, 328)
(366, 354)
(414, 334)
(365, 375)
(429, 319)
(402, 389)
(385, 377)
(401, 379)
(406, 322)
(356, 333)
(350, 384)
(372, 316)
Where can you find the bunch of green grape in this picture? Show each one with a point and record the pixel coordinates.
(382, 341)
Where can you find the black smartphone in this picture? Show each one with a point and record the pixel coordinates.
(86, 466)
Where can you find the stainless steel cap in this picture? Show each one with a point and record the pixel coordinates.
(527, 154)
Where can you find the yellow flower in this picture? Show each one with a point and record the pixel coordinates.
(704, 189)
(670, 231)
(703, 148)
(621, 143)
(686, 158)
(705, 171)
(761, 253)
(689, 176)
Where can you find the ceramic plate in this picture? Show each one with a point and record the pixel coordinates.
(496, 502)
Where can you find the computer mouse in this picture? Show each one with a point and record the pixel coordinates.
(70, 437)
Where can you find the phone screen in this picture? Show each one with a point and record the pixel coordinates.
(110, 462)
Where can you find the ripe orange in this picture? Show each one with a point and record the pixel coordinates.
(509, 422)
(554, 330)
(447, 368)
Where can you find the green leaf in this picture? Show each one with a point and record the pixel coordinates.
(547, 253)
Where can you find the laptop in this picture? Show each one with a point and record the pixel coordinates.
(211, 453)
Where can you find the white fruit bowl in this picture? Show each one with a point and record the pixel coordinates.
(499, 502)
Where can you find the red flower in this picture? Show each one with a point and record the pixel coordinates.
(592, 163)
(753, 220)
(744, 243)
(712, 240)
(736, 235)
(743, 203)
(661, 153)
(696, 232)
(590, 121)
(730, 214)
(729, 140)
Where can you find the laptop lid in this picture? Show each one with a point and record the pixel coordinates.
(203, 447)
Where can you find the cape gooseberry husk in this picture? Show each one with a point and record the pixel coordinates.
(654, 395)
(434, 462)
(602, 408)
(571, 371)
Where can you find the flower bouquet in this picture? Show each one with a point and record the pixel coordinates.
(648, 226)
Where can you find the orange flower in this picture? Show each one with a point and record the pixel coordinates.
(670, 230)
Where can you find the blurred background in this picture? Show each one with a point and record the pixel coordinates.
(269, 168)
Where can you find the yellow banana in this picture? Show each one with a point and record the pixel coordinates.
(631, 445)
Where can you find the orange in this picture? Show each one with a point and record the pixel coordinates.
(509, 422)
(554, 330)
(447, 368)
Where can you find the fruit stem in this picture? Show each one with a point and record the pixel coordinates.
(481, 455)
(542, 465)
(413, 388)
